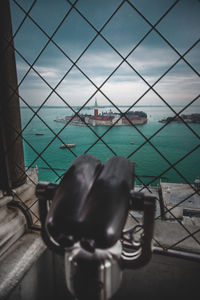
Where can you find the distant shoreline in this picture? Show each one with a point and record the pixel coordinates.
(102, 106)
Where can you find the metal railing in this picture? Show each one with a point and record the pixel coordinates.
(50, 39)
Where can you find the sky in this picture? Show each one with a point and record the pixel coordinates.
(151, 58)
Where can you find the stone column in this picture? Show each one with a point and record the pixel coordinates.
(12, 167)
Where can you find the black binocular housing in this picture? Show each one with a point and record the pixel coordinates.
(91, 203)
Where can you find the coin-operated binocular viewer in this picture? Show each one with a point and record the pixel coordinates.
(84, 217)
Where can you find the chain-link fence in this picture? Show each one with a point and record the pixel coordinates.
(128, 56)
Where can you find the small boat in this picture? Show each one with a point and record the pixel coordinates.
(39, 133)
(67, 146)
(131, 143)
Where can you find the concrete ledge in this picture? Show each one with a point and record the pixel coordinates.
(18, 260)
(12, 227)
(13, 223)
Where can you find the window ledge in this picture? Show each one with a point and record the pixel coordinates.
(13, 223)
(17, 261)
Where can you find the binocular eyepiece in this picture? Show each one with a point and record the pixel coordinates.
(84, 218)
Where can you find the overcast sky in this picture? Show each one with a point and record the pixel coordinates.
(181, 27)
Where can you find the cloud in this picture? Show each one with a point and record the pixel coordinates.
(152, 58)
(179, 88)
(124, 87)
(145, 58)
(99, 59)
(44, 71)
(47, 72)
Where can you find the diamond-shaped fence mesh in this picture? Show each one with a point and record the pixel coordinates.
(127, 57)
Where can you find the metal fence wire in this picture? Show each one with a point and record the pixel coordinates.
(48, 41)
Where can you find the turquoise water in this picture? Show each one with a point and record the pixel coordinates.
(173, 142)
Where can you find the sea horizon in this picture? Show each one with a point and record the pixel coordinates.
(165, 148)
(103, 106)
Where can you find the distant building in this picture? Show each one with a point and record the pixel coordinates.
(106, 118)
(192, 118)
(96, 113)
(181, 200)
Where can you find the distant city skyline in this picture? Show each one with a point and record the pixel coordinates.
(152, 58)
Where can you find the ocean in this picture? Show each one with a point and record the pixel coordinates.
(173, 142)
